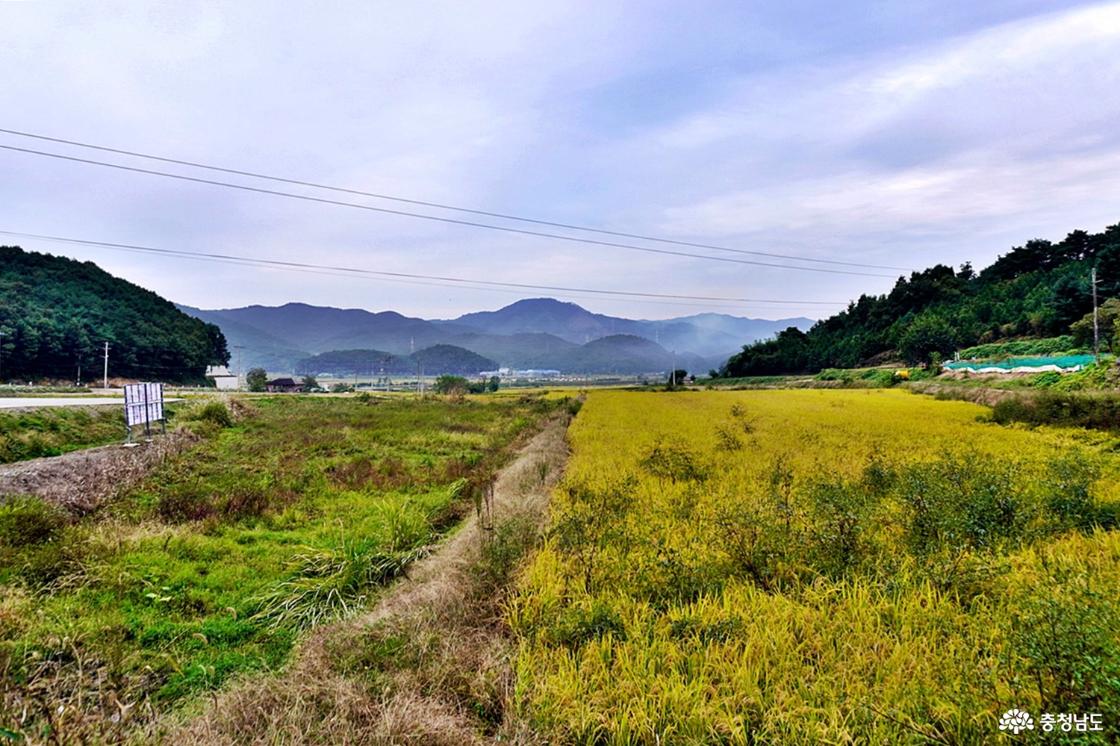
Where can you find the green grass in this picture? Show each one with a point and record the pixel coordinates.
(292, 517)
(57, 430)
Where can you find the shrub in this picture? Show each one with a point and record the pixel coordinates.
(1070, 501)
(727, 440)
(573, 405)
(1064, 635)
(214, 412)
(502, 551)
(957, 504)
(673, 462)
(1049, 407)
(840, 512)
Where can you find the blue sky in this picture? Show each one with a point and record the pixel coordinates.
(897, 133)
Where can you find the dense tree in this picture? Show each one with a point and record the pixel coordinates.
(448, 384)
(1038, 289)
(256, 379)
(56, 315)
(926, 336)
(1108, 316)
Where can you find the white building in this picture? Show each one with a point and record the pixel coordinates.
(223, 379)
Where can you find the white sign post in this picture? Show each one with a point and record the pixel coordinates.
(143, 405)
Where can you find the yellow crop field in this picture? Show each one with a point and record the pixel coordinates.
(813, 566)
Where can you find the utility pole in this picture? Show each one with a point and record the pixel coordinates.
(1096, 324)
(1, 353)
(239, 348)
(105, 369)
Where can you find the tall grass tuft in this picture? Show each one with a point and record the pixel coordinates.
(330, 584)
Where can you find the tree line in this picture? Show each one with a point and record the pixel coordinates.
(57, 313)
(1039, 289)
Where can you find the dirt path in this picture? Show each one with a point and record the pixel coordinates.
(81, 480)
(454, 659)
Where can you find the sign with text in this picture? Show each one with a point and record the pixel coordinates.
(143, 403)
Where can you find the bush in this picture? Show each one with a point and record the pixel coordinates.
(215, 413)
(1064, 635)
(674, 462)
(840, 511)
(502, 551)
(1067, 409)
(1070, 500)
(959, 504)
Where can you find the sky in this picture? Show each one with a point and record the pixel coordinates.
(889, 133)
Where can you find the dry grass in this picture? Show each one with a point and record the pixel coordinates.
(431, 663)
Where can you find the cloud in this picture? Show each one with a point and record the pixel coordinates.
(905, 135)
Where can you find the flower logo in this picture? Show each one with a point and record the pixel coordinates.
(1016, 721)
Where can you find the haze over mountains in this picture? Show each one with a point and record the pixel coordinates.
(531, 333)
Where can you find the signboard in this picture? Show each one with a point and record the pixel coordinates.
(143, 404)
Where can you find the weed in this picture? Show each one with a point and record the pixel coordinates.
(327, 585)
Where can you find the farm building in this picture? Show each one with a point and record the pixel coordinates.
(282, 386)
(222, 378)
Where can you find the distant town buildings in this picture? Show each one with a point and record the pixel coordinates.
(530, 374)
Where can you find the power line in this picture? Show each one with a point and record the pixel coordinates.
(436, 218)
(439, 205)
(306, 266)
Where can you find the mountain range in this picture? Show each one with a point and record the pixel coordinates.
(530, 333)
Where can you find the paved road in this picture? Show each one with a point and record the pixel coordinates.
(34, 402)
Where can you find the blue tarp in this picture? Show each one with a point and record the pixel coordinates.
(1065, 362)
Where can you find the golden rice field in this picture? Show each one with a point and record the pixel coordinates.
(819, 566)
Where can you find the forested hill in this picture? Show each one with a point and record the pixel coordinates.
(57, 313)
(1038, 289)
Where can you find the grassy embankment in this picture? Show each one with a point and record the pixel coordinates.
(53, 431)
(819, 566)
(293, 516)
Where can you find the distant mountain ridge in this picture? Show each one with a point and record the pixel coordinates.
(530, 333)
(437, 359)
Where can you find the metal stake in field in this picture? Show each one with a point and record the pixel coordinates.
(1096, 324)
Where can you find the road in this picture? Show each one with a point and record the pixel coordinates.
(35, 402)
